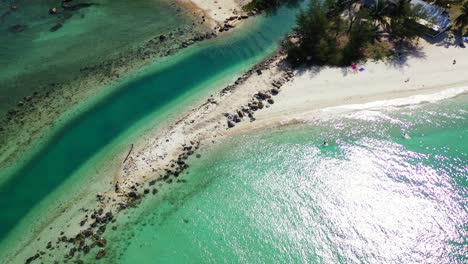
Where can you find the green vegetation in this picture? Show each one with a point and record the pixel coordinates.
(340, 32)
(267, 4)
(461, 21)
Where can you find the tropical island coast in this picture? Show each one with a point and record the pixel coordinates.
(288, 87)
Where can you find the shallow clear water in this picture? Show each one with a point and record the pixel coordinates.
(36, 56)
(281, 196)
(103, 124)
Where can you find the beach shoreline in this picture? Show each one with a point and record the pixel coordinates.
(270, 94)
(296, 98)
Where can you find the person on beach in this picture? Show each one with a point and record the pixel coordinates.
(454, 62)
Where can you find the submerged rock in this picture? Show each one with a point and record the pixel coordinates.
(18, 28)
(55, 27)
(101, 253)
(101, 242)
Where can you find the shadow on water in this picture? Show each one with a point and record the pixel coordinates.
(78, 141)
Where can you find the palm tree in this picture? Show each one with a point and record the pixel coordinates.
(462, 20)
(379, 13)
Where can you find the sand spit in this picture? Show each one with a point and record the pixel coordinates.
(218, 10)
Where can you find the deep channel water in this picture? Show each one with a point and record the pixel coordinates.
(281, 196)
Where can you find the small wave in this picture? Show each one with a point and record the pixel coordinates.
(400, 102)
(373, 111)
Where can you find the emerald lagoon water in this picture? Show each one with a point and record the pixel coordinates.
(92, 35)
(372, 195)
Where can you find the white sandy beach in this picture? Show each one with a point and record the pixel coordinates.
(429, 70)
(219, 10)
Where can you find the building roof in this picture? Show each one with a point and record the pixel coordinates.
(435, 18)
(434, 14)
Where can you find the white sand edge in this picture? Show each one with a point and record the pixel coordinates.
(431, 71)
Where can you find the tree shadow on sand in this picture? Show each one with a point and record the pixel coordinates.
(402, 52)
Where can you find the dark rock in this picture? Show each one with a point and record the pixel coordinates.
(270, 101)
(87, 233)
(55, 27)
(71, 253)
(133, 195)
(259, 72)
(274, 91)
(86, 249)
(31, 259)
(236, 118)
(101, 242)
(102, 229)
(101, 253)
(230, 124)
(76, 7)
(17, 28)
(262, 96)
(260, 105)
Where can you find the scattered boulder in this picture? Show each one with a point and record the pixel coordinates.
(101, 253)
(101, 242)
(260, 105)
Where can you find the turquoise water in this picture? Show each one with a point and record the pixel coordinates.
(92, 35)
(91, 132)
(281, 196)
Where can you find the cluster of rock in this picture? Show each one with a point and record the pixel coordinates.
(197, 38)
(231, 21)
(82, 243)
(65, 13)
(262, 99)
